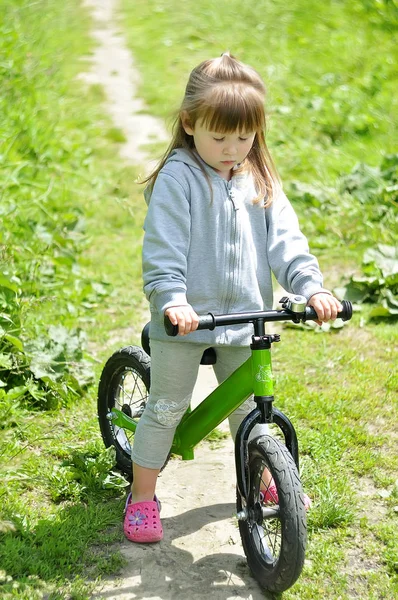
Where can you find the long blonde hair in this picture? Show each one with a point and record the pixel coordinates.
(227, 96)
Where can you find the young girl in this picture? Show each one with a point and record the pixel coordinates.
(218, 224)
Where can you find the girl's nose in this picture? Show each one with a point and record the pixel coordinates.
(230, 150)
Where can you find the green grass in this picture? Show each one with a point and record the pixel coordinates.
(331, 99)
(337, 389)
(216, 437)
(71, 210)
(331, 104)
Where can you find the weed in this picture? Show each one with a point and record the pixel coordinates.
(85, 475)
(215, 438)
(333, 506)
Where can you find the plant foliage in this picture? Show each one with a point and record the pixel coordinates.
(44, 170)
(361, 208)
(379, 283)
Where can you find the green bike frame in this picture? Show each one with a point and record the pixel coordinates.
(253, 377)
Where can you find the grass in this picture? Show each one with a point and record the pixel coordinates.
(331, 101)
(60, 501)
(216, 438)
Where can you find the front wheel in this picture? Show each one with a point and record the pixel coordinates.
(274, 530)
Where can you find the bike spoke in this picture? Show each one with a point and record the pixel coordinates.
(267, 536)
(129, 393)
(130, 396)
(272, 532)
(135, 386)
(262, 548)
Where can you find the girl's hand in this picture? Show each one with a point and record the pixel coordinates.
(183, 316)
(326, 307)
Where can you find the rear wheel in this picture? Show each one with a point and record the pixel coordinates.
(124, 384)
(274, 533)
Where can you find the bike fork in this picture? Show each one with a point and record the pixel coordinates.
(264, 414)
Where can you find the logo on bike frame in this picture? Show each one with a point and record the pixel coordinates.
(264, 373)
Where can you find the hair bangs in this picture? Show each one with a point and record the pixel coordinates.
(232, 107)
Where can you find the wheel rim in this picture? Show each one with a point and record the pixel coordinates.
(130, 396)
(265, 526)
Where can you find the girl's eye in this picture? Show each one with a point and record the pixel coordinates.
(219, 139)
(243, 139)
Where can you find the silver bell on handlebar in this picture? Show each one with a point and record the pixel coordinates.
(296, 304)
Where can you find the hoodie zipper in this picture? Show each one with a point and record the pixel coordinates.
(233, 258)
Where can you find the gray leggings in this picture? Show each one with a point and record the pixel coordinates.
(174, 369)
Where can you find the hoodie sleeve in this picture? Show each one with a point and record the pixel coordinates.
(166, 242)
(289, 257)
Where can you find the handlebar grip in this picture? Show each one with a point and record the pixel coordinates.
(205, 322)
(171, 330)
(344, 315)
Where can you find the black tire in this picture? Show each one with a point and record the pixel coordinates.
(274, 544)
(124, 384)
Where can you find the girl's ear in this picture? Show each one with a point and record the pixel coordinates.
(186, 123)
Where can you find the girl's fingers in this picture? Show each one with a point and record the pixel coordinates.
(336, 308)
(183, 316)
(326, 307)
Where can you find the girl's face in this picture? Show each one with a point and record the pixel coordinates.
(221, 151)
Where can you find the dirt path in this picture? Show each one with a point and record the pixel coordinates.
(201, 554)
(113, 68)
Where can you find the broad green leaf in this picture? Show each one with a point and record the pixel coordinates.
(383, 257)
(380, 311)
(41, 366)
(5, 361)
(14, 341)
(392, 281)
(356, 291)
(4, 282)
(390, 298)
(58, 333)
(17, 392)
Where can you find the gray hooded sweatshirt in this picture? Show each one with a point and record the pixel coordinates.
(217, 254)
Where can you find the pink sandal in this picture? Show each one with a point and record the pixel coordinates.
(142, 521)
(270, 496)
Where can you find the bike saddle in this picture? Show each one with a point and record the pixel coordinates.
(209, 356)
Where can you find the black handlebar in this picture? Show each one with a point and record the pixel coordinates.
(211, 321)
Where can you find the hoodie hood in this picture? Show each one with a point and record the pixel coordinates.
(192, 160)
(182, 155)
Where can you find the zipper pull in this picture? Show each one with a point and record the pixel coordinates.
(232, 195)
